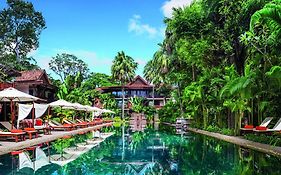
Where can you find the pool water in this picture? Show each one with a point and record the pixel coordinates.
(159, 151)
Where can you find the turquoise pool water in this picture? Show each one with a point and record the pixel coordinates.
(158, 151)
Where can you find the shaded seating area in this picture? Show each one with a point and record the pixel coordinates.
(26, 107)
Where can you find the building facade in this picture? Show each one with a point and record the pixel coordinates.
(33, 82)
(137, 88)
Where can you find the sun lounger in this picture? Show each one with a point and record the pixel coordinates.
(46, 129)
(89, 123)
(29, 131)
(98, 121)
(107, 121)
(92, 122)
(20, 135)
(78, 125)
(276, 128)
(250, 128)
(39, 126)
(58, 127)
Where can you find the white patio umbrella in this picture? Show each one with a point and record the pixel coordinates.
(107, 111)
(13, 95)
(80, 107)
(62, 104)
(93, 109)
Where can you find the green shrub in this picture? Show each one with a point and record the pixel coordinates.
(227, 131)
(213, 128)
(169, 113)
(217, 129)
(195, 124)
(274, 140)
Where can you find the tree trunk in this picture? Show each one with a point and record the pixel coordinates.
(181, 106)
(205, 117)
(238, 119)
(123, 98)
(239, 56)
(193, 73)
(228, 118)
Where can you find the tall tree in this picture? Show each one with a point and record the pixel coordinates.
(67, 64)
(123, 70)
(25, 63)
(20, 27)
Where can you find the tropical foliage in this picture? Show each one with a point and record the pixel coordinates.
(67, 64)
(123, 71)
(21, 26)
(221, 60)
(20, 29)
(83, 90)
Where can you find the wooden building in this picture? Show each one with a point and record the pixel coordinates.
(36, 83)
(137, 88)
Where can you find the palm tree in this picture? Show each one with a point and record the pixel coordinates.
(157, 68)
(123, 70)
(271, 16)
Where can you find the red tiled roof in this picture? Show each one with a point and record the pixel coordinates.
(30, 75)
(138, 82)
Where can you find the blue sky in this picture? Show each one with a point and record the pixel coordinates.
(95, 30)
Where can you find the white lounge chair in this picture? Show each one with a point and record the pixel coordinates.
(276, 127)
(264, 123)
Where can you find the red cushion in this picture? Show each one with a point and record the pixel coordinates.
(16, 131)
(249, 126)
(15, 152)
(262, 128)
(67, 125)
(39, 122)
(66, 137)
(31, 148)
(29, 129)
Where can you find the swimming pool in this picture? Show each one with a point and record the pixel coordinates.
(157, 150)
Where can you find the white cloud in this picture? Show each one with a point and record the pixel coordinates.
(43, 62)
(140, 61)
(88, 57)
(168, 6)
(136, 26)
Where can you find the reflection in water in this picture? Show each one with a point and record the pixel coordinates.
(137, 122)
(31, 161)
(162, 152)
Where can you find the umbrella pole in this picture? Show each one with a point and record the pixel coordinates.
(12, 113)
(33, 113)
(48, 115)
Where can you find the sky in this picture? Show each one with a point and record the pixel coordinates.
(95, 30)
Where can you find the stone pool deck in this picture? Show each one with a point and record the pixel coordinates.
(9, 146)
(268, 149)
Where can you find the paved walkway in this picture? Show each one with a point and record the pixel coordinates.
(273, 150)
(7, 147)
